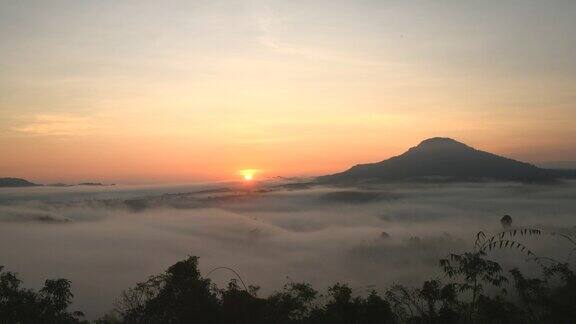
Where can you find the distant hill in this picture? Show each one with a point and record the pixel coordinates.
(444, 159)
(561, 165)
(16, 182)
(91, 184)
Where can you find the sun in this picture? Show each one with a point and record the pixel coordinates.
(247, 174)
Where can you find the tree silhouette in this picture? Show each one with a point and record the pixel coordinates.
(49, 305)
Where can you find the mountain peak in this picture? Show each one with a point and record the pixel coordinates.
(439, 141)
(435, 144)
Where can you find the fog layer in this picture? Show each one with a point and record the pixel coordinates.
(107, 239)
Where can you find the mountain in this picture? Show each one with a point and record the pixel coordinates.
(15, 182)
(446, 159)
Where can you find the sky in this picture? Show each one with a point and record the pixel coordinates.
(176, 91)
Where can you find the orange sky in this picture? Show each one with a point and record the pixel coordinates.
(140, 92)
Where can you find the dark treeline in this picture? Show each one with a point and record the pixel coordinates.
(182, 295)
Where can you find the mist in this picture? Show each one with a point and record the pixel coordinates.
(106, 239)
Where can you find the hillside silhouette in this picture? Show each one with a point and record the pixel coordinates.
(442, 158)
(16, 182)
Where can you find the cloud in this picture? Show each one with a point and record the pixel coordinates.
(319, 235)
(57, 125)
(268, 23)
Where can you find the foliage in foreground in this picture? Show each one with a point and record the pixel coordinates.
(182, 295)
(48, 305)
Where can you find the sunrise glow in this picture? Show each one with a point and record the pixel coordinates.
(297, 94)
(248, 174)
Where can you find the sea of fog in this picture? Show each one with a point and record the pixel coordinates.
(106, 239)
